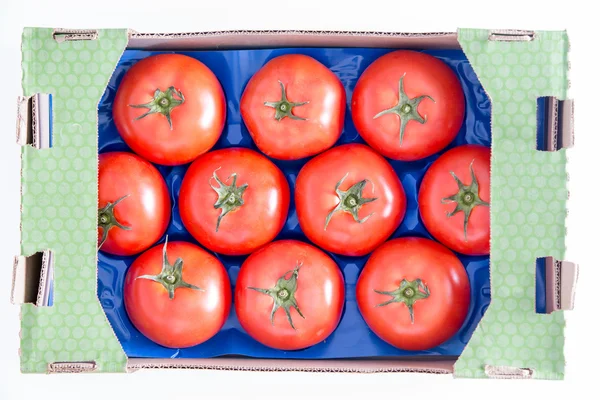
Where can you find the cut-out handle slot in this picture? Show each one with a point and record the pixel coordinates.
(66, 35)
(33, 279)
(510, 35)
(72, 367)
(507, 372)
(554, 124)
(34, 121)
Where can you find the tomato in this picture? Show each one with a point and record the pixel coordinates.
(134, 208)
(169, 108)
(349, 200)
(234, 200)
(413, 293)
(454, 199)
(408, 105)
(177, 294)
(294, 107)
(289, 295)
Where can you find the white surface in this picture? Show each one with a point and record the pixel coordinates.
(582, 339)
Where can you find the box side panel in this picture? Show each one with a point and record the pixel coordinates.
(59, 200)
(528, 206)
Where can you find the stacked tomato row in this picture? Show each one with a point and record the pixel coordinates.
(413, 292)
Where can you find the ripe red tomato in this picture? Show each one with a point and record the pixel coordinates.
(454, 199)
(177, 294)
(133, 204)
(413, 293)
(169, 108)
(234, 200)
(408, 105)
(294, 107)
(349, 200)
(289, 295)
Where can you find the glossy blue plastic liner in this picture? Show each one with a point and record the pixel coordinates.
(540, 285)
(352, 338)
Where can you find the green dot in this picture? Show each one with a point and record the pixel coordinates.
(41, 344)
(70, 345)
(77, 332)
(99, 344)
(525, 354)
(503, 316)
(92, 332)
(57, 345)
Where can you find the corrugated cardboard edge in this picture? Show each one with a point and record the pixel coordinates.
(290, 38)
(281, 365)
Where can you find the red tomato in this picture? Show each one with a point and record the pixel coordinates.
(349, 200)
(294, 107)
(454, 199)
(133, 204)
(177, 295)
(289, 295)
(169, 108)
(408, 105)
(413, 293)
(234, 200)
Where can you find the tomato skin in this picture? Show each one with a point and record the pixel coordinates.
(377, 90)
(256, 222)
(146, 210)
(304, 79)
(438, 184)
(197, 123)
(191, 317)
(436, 318)
(316, 196)
(319, 295)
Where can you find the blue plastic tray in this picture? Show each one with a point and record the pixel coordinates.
(352, 338)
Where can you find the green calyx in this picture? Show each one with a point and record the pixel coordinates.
(163, 103)
(107, 219)
(171, 275)
(466, 199)
(406, 109)
(230, 197)
(351, 201)
(409, 292)
(283, 108)
(283, 294)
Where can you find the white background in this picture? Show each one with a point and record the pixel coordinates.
(409, 16)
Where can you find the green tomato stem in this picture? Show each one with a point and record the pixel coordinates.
(466, 199)
(406, 109)
(171, 275)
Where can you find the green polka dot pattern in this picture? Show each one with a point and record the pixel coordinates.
(59, 200)
(528, 211)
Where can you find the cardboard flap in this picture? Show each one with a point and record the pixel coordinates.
(561, 278)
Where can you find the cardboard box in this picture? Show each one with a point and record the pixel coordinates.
(64, 76)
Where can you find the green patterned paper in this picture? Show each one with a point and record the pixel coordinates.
(60, 200)
(528, 202)
(528, 198)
